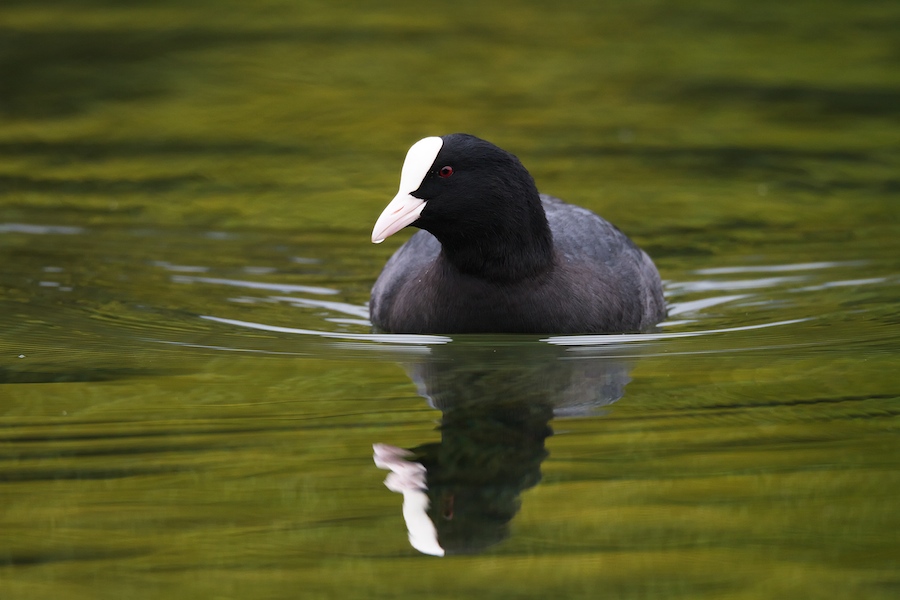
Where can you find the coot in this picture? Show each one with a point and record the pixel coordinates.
(495, 256)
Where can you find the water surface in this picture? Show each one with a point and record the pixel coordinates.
(190, 390)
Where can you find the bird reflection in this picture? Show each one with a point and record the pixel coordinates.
(460, 494)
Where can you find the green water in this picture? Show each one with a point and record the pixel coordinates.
(189, 389)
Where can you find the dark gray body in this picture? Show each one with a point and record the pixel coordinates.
(599, 282)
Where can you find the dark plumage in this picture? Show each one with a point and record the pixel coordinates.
(496, 256)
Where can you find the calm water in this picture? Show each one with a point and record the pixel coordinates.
(190, 388)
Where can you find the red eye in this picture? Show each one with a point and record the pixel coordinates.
(446, 171)
(447, 509)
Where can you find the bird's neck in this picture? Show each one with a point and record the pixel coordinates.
(503, 249)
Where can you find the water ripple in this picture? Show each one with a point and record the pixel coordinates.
(389, 338)
(256, 285)
(40, 229)
(779, 268)
(622, 338)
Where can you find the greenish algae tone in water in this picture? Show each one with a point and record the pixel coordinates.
(190, 391)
